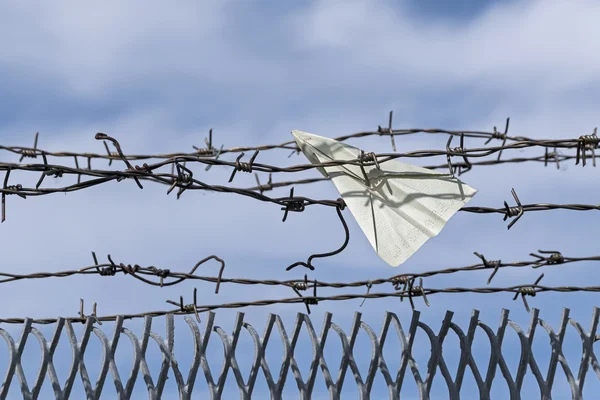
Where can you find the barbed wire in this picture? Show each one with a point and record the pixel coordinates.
(181, 177)
(410, 293)
(460, 168)
(543, 259)
(583, 144)
(185, 181)
(211, 150)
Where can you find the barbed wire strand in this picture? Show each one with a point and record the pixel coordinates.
(187, 182)
(548, 157)
(416, 291)
(211, 151)
(545, 258)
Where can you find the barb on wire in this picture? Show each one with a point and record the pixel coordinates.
(31, 153)
(362, 159)
(242, 166)
(210, 150)
(554, 155)
(388, 131)
(184, 179)
(304, 286)
(528, 291)
(300, 285)
(587, 142)
(56, 172)
(263, 188)
(111, 270)
(555, 258)
(93, 315)
(457, 151)
(368, 158)
(513, 211)
(495, 265)
(292, 205)
(161, 273)
(404, 280)
(500, 135)
(103, 136)
(416, 291)
(189, 307)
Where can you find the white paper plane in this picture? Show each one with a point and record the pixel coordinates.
(398, 206)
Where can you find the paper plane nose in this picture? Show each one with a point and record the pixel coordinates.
(299, 135)
(304, 136)
(301, 138)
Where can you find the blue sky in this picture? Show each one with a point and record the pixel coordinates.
(157, 77)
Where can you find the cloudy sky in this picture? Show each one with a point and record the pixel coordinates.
(157, 77)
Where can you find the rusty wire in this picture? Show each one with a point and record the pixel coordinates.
(413, 292)
(404, 284)
(211, 151)
(461, 168)
(184, 180)
(583, 144)
(543, 259)
(410, 293)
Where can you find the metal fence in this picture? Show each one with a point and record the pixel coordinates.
(335, 376)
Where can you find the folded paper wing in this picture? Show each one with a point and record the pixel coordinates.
(399, 206)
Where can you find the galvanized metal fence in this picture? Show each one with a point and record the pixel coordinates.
(335, 376)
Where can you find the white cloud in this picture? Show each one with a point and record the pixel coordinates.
(548, 44)
(97, 50)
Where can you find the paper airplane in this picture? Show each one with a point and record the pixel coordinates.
(398, 206)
